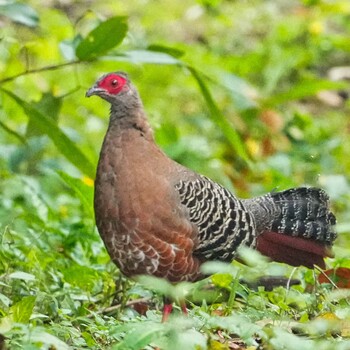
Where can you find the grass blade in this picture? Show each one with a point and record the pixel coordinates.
(230, 133)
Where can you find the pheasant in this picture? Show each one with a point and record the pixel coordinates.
(157, 217)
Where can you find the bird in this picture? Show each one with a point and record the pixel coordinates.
(157, 217)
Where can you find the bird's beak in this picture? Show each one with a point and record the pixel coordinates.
(94, 91)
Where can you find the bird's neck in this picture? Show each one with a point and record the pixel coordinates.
(129, 119)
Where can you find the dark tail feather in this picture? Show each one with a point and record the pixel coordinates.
(304, 212)
(300, 230)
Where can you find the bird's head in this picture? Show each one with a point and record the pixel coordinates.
(115, 88)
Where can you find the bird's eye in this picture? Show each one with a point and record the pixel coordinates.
(114, 82)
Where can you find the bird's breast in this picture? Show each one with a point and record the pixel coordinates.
(138, 212)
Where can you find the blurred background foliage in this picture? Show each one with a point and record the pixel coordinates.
(253, 94)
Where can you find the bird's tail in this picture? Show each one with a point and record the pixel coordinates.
(295, 226)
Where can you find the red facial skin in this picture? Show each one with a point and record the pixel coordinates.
(112, 83)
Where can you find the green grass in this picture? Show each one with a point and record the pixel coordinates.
(232, 90)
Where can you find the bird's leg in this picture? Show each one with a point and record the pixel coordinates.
(183, 307)
(168, 307)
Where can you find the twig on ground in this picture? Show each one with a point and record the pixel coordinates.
(116, 307)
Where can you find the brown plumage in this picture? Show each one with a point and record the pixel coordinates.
(159, 218)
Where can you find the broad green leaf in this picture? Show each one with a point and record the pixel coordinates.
(50, 341)
(104, 37)
(89, 339)
(20, 13)
(159, 285)
(83, 188)
(304, 89)
(162, 286)
(284, 340)
(5, 300)
(203, 292)
(22, 310)
(237, 324)
(59, 138)
(141, 335)
(22, 276)
(227, 129)
(81, 276)
(211, 267)
(173, 335)
(181, 338)
(252, 257)
(165, 49)
(222, 280)
(6, 324)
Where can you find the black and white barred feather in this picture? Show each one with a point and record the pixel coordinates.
(225, 222)
(299, 212)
